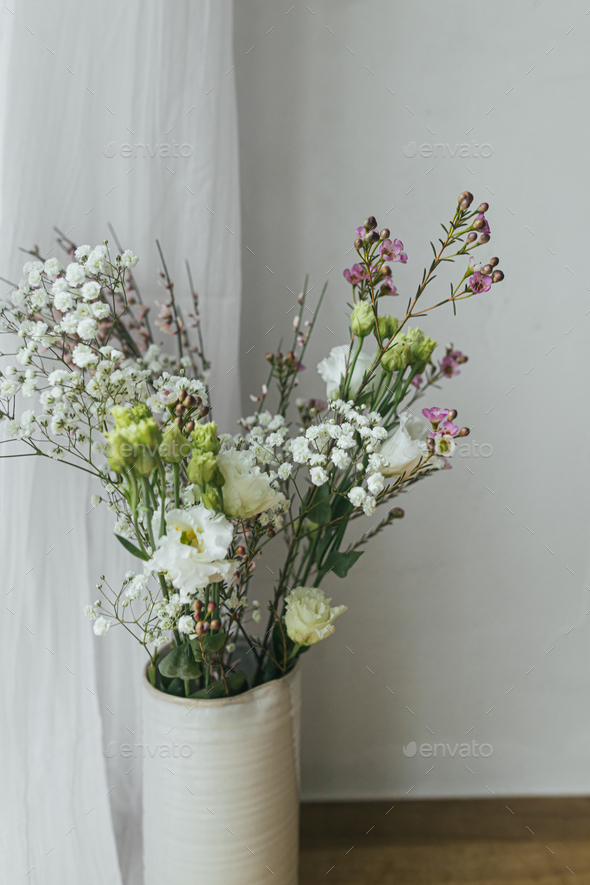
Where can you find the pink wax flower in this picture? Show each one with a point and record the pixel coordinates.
(447, 427)
(387, 284)
(486, 229)
(444, 444)
(479, 282)
(360, 231)
(393, 250)
(417, 381)
(355, 275)
(435, 415)
(449, 366)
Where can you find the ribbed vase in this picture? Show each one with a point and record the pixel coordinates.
(221, 787)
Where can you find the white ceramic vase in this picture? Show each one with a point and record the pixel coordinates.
(221, 787)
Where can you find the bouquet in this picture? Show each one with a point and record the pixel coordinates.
(197, 508)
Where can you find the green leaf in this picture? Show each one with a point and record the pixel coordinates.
(131, 548)
(215, 690)
(340, 563)
(320, 512)
(176, 687)
(212, 642)
(180, 663)
(237, 682)
(196, 647)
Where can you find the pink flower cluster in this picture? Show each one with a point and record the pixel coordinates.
(393, 250)
(443, 430)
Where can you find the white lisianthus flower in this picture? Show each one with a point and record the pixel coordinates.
(84, 356)
(100, 626)
(246, 491)
(333, 368)
(309, 615)
(75, 274)
(194, 550)
(406, 446)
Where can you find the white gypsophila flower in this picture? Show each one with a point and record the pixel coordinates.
(128, 259)
(60, 285)
(333, 369)
(136, 586)
(369, 506)
(285, 471)
(84, 356)
(52, 267)
(87, 329)
(376, 483)
(63, 301)
(309, 616)
(186, 624)
(194, 550)
(35, 277)
(95, 500)
(8, 388)
(28, 266)
(318, 476)
(357, 496)
(69, 323)
(75, 274)
(340, 458)
(97, 260)
(100, 310)
(246, 491)
(406, 446)
(82, 252)
(90, 612)
(90, 290)
(299, 448)
(101, 625)
(10, 370)
(257, 615)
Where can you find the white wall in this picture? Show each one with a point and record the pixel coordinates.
(486, 577)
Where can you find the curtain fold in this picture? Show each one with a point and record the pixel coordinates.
(120, 113)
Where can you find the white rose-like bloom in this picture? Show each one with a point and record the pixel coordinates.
(75, 274)
(333, 368)
(309, 615)
(194, 550)
(247, 491)
(404, 449)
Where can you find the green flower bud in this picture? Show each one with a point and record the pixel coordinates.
(204, 438)
(397, 356)
(134, 442)
(174, 446)
(388, 326)
(203, 470)
(212, 498)
(421, 346)
(362, 320)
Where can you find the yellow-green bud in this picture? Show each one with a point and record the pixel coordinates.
(174, 446)
(204, 438)
(203, 469)
(362, 320)
(396, 357)
(134, 442)
(212, 498)
(388, 326)
(421, 346)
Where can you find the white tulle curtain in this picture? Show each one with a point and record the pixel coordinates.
(87, 92)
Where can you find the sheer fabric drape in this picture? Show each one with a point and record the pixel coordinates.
(87, 91)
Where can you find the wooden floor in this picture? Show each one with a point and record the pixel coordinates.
(455, 842)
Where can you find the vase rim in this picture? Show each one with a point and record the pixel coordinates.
(242, 698)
